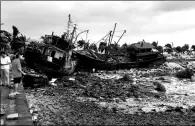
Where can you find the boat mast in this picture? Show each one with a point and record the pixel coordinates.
(69, 24)
(121, 36)
(113, 33)
(72, 36)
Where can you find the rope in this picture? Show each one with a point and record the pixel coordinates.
(120, 31)
(117, 36)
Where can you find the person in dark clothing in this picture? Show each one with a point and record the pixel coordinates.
(17, 72)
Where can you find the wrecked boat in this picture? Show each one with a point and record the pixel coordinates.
(50, 60)
(54, 55)
(140, 55)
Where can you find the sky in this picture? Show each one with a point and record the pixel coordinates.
(162, 21)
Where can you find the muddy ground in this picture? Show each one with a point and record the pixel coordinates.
(109, 98)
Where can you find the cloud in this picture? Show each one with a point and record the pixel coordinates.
(141, 19)
(168, 6)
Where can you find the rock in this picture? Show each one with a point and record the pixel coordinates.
(184, 111)
(161, 78)
(2, 122)
(187, 73)
(12, 95)
(12, 116)
(191, 65)
(47, 123)
(127, 77)
(192, 78)
(193, 108)
(181, 109)
(114, 109)
(34, 118)
(172, 65)
(159, 87)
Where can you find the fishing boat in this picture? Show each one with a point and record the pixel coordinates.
(140, 56)
(54, 55)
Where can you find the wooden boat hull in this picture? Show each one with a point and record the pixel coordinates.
(90, 62)
(42, 65)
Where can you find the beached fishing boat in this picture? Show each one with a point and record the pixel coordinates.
(50, 60)
(140, 55)
(54, 55)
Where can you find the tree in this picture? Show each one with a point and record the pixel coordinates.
(155, 44)
(93, 47)
(123, 48)
(81, 43)
(168, 45)
(193, 47)
(102, 46)
(178, 49)
(15, 31)
(86, 45)
(113, 48)
(160, 49)
(169, 48)
(185, 48)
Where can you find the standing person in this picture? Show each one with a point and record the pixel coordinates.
(5, 67)
(17, 72)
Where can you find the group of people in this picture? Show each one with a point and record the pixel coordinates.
(8, 64)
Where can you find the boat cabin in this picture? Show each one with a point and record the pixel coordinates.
(56, 41)
(143, 51)
(52, 54)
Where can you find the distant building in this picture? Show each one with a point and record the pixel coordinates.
(142, 50)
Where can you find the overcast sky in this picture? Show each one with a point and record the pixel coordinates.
(165, 21)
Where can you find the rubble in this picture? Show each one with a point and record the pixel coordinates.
(172, 65)
(12, 116)
(2, 122)
(134, 91)
(3, 108)
(187, 73)
(191, 65)
(192, 78)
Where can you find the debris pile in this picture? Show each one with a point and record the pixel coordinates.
(34, 79)
(191, 65)
(43, 105)
(172, 65)
(134, 91)
(187, 73)
(96, 87)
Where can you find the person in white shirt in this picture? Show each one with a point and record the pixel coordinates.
(4, 68)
